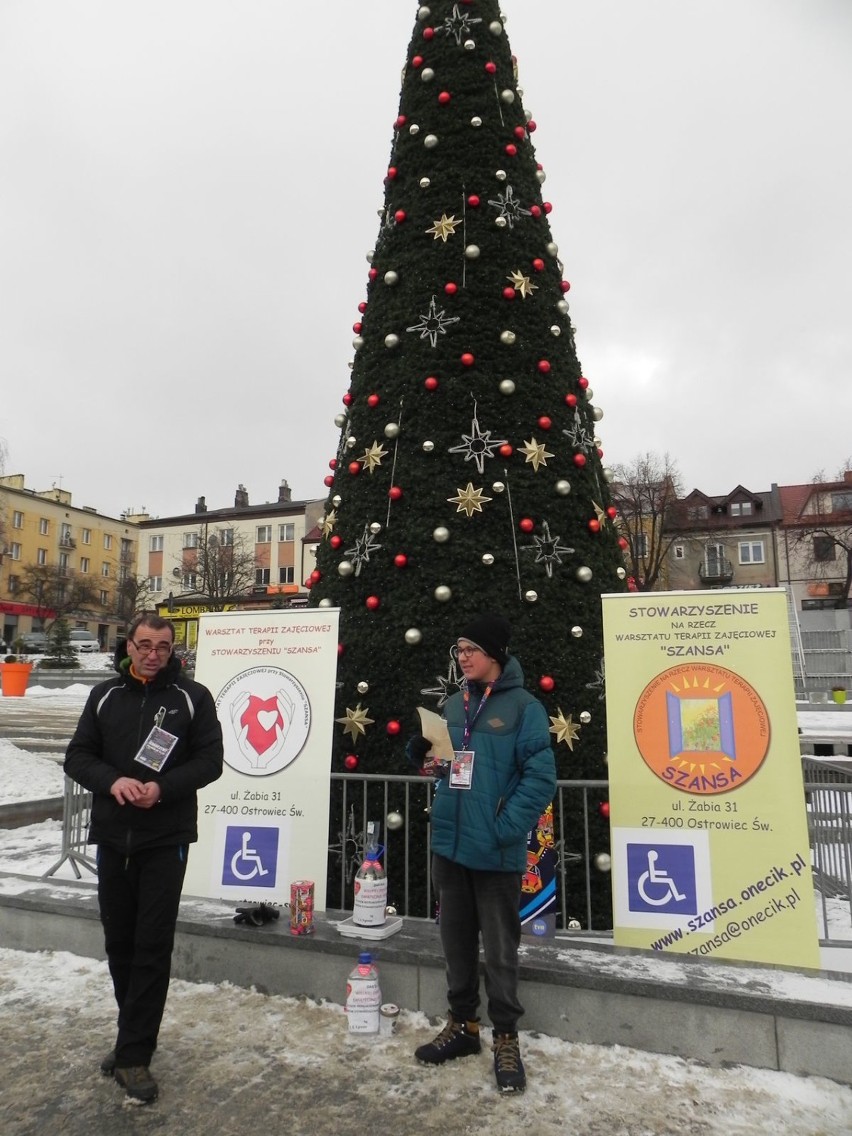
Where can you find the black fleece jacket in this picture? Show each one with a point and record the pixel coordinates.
(116, 720)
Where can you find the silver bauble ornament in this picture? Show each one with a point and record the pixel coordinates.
(469, 45)
(370, 256)
(531, 596)
(541, 176)
(472, 252)
(603, 862)
(562, 307)
(507, 96)
(430, 141)
(441, 535)
(574, 925)
(620, 573)
(598, 442)
(507, 387)
(391, 278)
(500, 222)
(427, 75)
(508, 337)
(394, 821)
(363, 687)
(476, 121)
(487, 559)
(563, 487)
(413, 636)
(607, 474)
(358, 342)
(425, 182)
(375, 528)
(414, 130)
(443, 593)
(391, 341)
(423, 13)
(392, 430)
(428, 447)
(495, 27)
(500, 175)
(345, 568)
(552, 248)
(340, 420)
(577, 631)
(597, 413)
(584, 574)
(498, 487)
(336, 500)
(351, 442)
(585, 717)
(588, 394)
(390, 912)
(326, 602)
(555, 329)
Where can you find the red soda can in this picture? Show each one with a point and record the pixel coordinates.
(302, 907)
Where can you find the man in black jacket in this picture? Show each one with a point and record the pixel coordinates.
(145, 743)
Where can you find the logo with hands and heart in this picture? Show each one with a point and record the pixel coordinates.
(269, 714)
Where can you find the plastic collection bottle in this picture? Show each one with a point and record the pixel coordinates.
(371, 885)
(364, 998)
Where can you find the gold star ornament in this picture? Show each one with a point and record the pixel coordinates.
(536, 453)
(355, 722)
(372, 458)
(469, 500)
(523, 284)
(599, 513)
(564, 729)
(444, 227)
(328, 523)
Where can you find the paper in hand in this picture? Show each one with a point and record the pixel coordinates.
(434, 729)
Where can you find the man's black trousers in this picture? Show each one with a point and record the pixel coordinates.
(139, 896)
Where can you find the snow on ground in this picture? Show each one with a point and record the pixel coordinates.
(236, 1060)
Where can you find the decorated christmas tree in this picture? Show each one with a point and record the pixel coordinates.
(469, 477)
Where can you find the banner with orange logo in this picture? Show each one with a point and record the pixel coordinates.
(710, 852)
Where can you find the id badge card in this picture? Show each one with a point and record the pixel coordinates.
(461, 769)
(156, 749)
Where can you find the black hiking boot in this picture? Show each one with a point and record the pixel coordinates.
(508, 1066)
(456, 1039)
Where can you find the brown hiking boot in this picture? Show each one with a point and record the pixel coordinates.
(138, 1083)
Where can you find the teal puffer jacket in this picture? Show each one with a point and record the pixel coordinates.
(486, 827)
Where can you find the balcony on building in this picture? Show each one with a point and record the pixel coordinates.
(716, 571)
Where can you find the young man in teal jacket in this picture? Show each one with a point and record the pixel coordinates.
(501, 779)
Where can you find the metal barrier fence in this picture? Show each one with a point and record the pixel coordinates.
(828, 792)
(76, 812)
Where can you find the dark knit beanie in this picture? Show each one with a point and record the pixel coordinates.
(491, 633)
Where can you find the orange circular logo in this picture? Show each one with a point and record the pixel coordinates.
(701, 729)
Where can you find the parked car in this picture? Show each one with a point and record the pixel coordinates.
(84, 641)
(34, 643)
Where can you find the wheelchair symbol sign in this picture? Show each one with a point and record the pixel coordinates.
(251, 856)
(661, 878)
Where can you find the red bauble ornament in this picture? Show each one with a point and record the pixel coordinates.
(473, 201)
(350, 761)
(599, 452)
(538, 264)
(340, 650)
(512, 150)
(594, 525)
(400, 560)
(451, 288)
(531, 126)
(394, 493)
(543, 367)
(536, 211)
(579, 460)
(571, 400)
(400, 216)
(548, 208)
(526, 524)
(309, 583)
(612, 512)
(491, 68)
(546, 683)
(603, 809)
(428, 33)
(544, 423)
(373, 273)
(417, 61)
(392, 728)
(362, 307)
(355, 468)
(444, 98)
(373, 603)
(400, 121)
(328, 481)
(509, 293)
(336, 541)
(333, 463)
(622, 542)
(392, 172)
(347, 399)
(467, 360)
(315, 576)
(431, 384)
(506, 450)
(373, 400)
(356, 327)
(564, 286)
(582, 383)
(519, 132)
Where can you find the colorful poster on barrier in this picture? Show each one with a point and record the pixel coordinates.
(710, 852)
(264, 823)
(538, 887)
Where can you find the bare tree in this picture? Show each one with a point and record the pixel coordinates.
(823, 532)
(222, 567)
(57, 592)
(645, 491)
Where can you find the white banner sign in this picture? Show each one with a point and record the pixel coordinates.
(264, 823)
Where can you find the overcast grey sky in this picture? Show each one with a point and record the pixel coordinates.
(188, 190)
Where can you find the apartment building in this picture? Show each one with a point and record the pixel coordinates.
(240, 556)
(60, 558)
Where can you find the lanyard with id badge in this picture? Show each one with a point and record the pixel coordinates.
(157, 747)
(461, 768)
